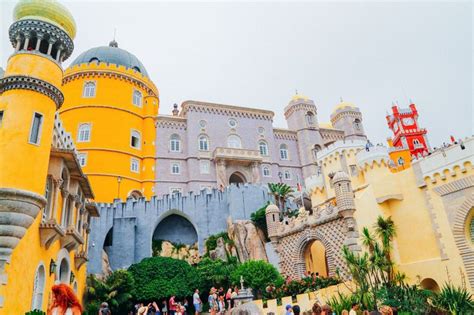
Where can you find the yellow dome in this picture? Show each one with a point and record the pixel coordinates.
(49, 11)
(326, 125)
(298, 97)
(344, 105)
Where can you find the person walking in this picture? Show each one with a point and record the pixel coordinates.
(104, 309)
(172, 305)
(212, 300)
(228, 299)
(164, 308)
(197, 302)
(65, 301)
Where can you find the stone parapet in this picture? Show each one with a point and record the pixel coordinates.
(376, 154)
(338, 147)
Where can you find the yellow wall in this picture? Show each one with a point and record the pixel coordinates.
(315, 258)
(112, 116)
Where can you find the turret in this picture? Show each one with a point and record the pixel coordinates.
(272, 214)
(41, 36)
(346, 116)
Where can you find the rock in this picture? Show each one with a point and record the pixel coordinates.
(106, 269)
(188, 253)
(249, 243)
(220, 251)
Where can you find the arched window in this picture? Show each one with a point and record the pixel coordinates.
(94, 59)
(263, 147)
(135, 194)
(48, 194)
(357, 125)
(266, 171)
(283, 152)
(416, 142)
(175, 169)
(137, 98)
(233, 141)
(316, 149)
(38, 288)
(175, 143)
(203, 143)
(67, 212)
(84, 133)
(287, 175)
(310, 118)
(135, 139)
(471, 228)
(89, 89)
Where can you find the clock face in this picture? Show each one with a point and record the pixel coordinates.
(408, 121)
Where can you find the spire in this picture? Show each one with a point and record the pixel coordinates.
(175, 109)
(114, 43)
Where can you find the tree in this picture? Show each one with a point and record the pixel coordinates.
(259, 219)
(281, 192)
(385, 230)
(161, 277)
(117, 290)
(215, 272)
(257, 274)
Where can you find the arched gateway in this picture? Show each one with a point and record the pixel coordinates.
(126, 230)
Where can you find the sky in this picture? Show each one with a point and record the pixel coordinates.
(256, 54)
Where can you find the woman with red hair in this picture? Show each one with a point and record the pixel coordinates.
(65, 301)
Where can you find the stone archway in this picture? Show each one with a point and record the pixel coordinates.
(430, 284)
(237, 178)
(315, 258)
(176, 229)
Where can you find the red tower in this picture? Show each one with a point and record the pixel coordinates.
(406, 133)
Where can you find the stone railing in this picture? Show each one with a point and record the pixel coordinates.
(236, 154)
(305, 301)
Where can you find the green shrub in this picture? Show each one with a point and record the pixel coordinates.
(406, 298)
(35, 312)
(161, 277)
(257, 274)
(454, 300)
(341, 302)
(259, 219)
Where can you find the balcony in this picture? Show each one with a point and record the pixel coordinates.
(72, 239)
(50, 231)
(80, 258)
(237, 155)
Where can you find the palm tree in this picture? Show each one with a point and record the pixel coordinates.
(386, 231)
(281, 192)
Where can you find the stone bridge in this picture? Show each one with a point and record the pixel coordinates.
(126, 229)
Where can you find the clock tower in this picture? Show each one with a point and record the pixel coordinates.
(406, 133)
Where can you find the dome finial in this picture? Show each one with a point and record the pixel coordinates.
(114, 43)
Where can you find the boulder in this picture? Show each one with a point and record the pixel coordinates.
(106, 269)
(220, 252)
(249, 241)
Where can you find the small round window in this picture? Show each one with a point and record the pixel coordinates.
(202, 123)
(261, 130)
(232, 122)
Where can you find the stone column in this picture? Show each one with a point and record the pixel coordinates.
(18, 43)
(255, 172)
(58, 54)
(56, 185)
(39, 37)
(50, 47)
(221, 174)
(27, 41)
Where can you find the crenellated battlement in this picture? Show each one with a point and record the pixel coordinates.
(376, 156)
(334, 150)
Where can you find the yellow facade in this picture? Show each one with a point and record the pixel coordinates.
(401, 157)
(430, 202)
(109, 150)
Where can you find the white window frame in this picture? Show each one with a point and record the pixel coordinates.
(86, 92)
(266, 168)
(133, 162)
(231, 144)
(264, 144)
(232, 121)
(132, 131)
(79, 139)
(40, 128)
(83, 156)
(200, 143)
(38, 288)
(284, 155)
(139, 100)
(287, 175)
(177, 141)
(205, 169)
(172, 168)
(310, 118)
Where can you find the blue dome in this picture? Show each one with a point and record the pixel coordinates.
(112, 55)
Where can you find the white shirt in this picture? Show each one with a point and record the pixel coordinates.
(68, 311)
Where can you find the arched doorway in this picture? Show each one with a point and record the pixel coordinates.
(64, 271)
(177, 230)
(315, 258)
(430, 284)
(237, 178)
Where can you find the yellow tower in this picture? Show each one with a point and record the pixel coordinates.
(41, 36)
(110, 109)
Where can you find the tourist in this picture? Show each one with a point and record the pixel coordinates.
(212, 300)
(233, 297)
(289, 310)
(316, 309)
(228, 298)
(64, 302)
(143, 310)
(197, 302)
(172, 305)
(164, 308)
(326, 310)
(221, 304)
(296, 310)
(104, 309)
(154, 309)
(185, 305)
(354, 309)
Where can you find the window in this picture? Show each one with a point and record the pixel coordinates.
(283, 152)
(310, 118)
(232, 123)
(401, 161)
(357, 125)
(353, 169)
(84, 133)
(66, 215)
(135, 140)
(416, 142)
(261, 130)
(134, 165)
(48, 194)
(287, 175)
(38, 288)
(202, 123)
(36, 128)
(175, 169)
(82, 157)
(1, 117)
(233, 141)
(266, 171)
(137, 98)
(175, 143)
(204, 166)
(89, 89)
(316, 149)
(471, 229)
(203, 143)
(176, 190)
(263, 147)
